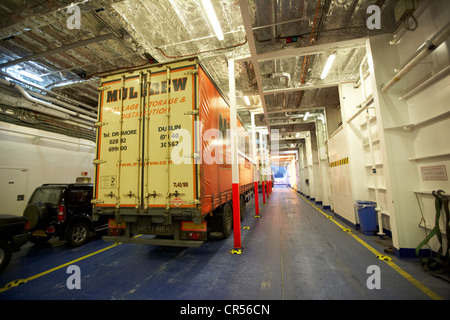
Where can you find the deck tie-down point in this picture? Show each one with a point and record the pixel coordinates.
(236, 251)
(14, 283)
(384, 258)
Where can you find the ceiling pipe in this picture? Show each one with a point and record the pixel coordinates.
(307, 57)
(285, 75)
(56, 110)
(37, 135)
(424, 50)
(25, 104)
(62, 104)
(78, 103)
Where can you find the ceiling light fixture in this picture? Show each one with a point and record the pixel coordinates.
(30, 75)
(327, 67)
(213, 19)
(247, 101)
(306, 116)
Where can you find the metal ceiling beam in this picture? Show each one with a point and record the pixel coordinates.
(245, 12)
(280, 23)
(303, 109)
(58, 50)
(291, 123)
(311, 50)
(301, 88)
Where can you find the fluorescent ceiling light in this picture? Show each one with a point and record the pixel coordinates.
(327, 67)
(306, 116)
(30, 75)
(213, 18)
(247, 101)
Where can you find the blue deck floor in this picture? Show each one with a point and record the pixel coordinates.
(292, 252)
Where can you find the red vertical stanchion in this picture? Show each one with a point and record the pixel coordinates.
(264, 193)
(256, 199)
(236, 216)
(267, 189)
(234, 160)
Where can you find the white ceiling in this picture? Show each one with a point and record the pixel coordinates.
(280, 48)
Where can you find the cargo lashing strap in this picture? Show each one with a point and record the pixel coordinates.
(439, 263)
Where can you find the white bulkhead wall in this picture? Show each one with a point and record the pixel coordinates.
(45, 157)
(408, 153)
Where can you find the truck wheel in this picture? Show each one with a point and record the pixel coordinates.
(227, 220)
(5, 254)
(78, 234)
(242, 203)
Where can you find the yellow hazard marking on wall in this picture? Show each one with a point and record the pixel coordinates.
(339, 162)
(380, 256)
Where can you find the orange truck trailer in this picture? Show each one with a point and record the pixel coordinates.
(163, 158)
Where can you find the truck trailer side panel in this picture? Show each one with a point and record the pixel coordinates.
(216, 147)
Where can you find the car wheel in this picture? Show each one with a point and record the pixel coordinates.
(5, 254)
(78, 234)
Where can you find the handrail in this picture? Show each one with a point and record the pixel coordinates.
(424, 50)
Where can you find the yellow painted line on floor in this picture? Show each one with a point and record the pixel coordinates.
(18, 282)
(15, 283)
(380, 256)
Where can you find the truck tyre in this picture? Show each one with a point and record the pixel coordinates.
(5, 254)
(227, 220)
(77, 234)
(242, 204)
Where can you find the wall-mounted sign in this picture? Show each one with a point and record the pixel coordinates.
(434, 173)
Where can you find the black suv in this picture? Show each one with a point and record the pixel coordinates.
(62, 210)
(13, 234)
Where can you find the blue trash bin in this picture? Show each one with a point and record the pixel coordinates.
(367, 216)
